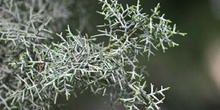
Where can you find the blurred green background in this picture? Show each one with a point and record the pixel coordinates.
(191, 70)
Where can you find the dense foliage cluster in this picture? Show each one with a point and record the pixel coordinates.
(34, 72)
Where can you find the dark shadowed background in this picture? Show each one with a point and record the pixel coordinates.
(192, 70)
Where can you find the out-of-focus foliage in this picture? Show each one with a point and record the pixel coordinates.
(35, 72)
